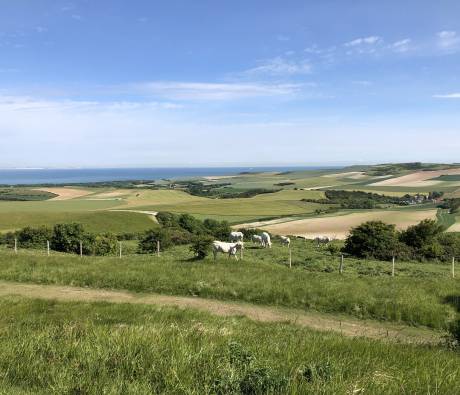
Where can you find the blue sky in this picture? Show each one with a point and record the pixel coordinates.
(173, 83)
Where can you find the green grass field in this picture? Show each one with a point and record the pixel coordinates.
(94, 348)
(418, 295)
(95, 215)
(277, 204)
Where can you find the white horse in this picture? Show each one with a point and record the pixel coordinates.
(226, 248)
(266, 241)
(257, 239)
(285, 240)
(236, 236)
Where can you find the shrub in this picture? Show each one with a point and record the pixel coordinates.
(105, 244)
(450, 243)
(219, 229)
(34, 237)
(373, 239)
(168, 220)
(180, 236)
(148, 243)
(7, 238)
(201, 246)
(191, 224)
(424, 233)
(67, 237)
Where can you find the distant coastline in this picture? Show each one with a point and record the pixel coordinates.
(34, 176)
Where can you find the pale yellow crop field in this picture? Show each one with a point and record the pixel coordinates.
(339, 226)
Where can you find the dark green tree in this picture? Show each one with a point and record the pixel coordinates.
(67, 237)
(148, 243)
(34, 237)
(373, 239)
(421, 235)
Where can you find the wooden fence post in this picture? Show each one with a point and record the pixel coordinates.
(81, 249)
(47, 247)
(341, 265)
(120, 249)
(158, 247)
(241, 253)
(15, 245)
(290, 257)
(393, 267)
(453, 267)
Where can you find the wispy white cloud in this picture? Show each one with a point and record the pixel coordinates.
(448, 40)
(364, 45)
(401, 46)
(77, 17)
(176, 90)
(371, 40)
(448, 96)
(29, 103)
(41, 29)
(281, 67)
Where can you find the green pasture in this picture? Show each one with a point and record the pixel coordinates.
(419, 294)
(101, 348)
(277, 204)
(22, 214)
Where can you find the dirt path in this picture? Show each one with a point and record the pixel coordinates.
(344, 325)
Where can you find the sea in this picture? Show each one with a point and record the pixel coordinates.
(69, 176)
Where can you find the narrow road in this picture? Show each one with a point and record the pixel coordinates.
(324, 322)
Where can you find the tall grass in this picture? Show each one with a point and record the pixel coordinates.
(418, 295)
(81, 348)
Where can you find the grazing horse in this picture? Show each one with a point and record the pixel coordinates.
(257, 239)
(236, 236)
(285, 240)
(266, 241)
(226, 248)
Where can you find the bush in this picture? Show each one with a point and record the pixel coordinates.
(180, 236)
(34, 237)
(148, 243)
(450, 243)
(105, 244)
(201, 246)
(373, 239)
(67, 237)
(219, 229)
(168, 220)
(191, 224)
(417, 236)
(7, 238)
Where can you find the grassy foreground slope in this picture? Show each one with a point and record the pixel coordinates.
(418, 295)
(68, 348)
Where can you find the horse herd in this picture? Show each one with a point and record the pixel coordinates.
(236, 243)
